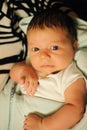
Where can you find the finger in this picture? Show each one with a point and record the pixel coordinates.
(32, 87)
(25, 127)
(22, 80)
(27, 83)
(33, 90)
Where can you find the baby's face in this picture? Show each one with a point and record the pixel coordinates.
(50, 50)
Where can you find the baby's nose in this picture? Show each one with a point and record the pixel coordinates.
(45, 54)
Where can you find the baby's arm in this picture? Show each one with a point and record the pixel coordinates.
(24, 74)
(67, 116)
(72, 112)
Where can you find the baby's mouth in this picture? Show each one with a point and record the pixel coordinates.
(46, 66)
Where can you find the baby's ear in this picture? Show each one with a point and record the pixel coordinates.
(75, 45)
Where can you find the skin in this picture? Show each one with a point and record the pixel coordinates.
(51, 51)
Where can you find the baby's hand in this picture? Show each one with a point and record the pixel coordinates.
(29, 80)
(32, 122)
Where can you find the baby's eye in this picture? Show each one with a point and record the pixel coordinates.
(35, 49)
(54, 47)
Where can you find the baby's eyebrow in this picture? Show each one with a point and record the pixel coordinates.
(57, 42)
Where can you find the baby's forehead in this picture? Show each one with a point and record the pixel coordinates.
(50, 35)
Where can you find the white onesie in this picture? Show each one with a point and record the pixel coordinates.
(54, 85)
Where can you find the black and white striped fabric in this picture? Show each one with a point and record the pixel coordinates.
(13, 44)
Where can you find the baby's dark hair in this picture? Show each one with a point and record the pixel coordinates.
(54, 18)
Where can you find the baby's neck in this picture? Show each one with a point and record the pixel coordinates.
(41, 75)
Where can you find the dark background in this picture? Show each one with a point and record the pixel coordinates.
(79, 6)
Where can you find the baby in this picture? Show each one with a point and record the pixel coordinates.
(52, 72)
